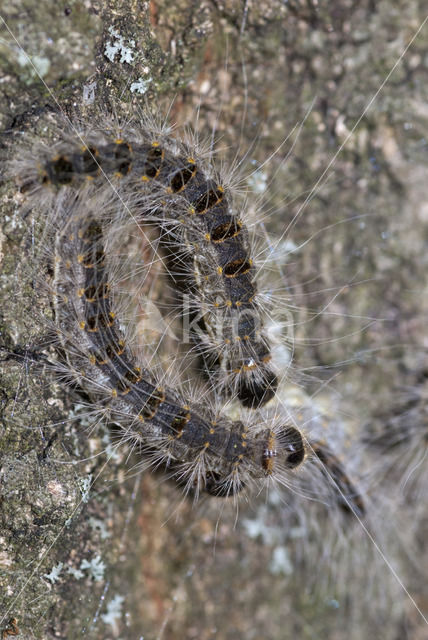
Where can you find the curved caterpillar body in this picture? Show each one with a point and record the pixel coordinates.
(206, 450)
(158, 181)
(209, 242)
(223, 452)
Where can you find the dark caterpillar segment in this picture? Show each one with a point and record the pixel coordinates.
(142, 395)
(113, 158)
(93, 251)
(248, 324)
(240, 292)
(117, 158)
(225, 231)
(99, 319)
(152, 404)
(85, 163)
(212, 197)
(96, 292)
(125, 378)
(154, 161)
(92, 232)
(99, 322)
(182, 177)
(179, 421)
(351, 501)
(255, 382)
(147, 161)
(60, 170)
(129, 379)
(237, 445)
(123, 157)
(91, 258)
(229, 445)
(229, 252)
(253, 392)
(292, 443)
(238, 267)
(108, 352)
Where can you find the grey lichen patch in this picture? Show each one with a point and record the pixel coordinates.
(114, 611)
(33, 67)
(76, 573)
(119, 50)
(281, 561)
(133, 61)
(100, 526)
(85, 487)
(141, 86)
(53, 575)
(95, 567)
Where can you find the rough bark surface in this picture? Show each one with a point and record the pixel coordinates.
(87, 547)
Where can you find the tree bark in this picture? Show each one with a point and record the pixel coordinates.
(87, 546)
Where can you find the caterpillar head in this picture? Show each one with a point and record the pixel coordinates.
(285, 447)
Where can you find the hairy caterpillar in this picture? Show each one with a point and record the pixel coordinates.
(210, 451)
(352, 595)
(212, 252)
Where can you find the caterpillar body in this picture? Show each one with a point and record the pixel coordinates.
(157, 178)
(210, 244)
(206, 450)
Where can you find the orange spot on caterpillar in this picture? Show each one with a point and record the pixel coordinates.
(269, 454)
(179, 421)
(152, 404)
